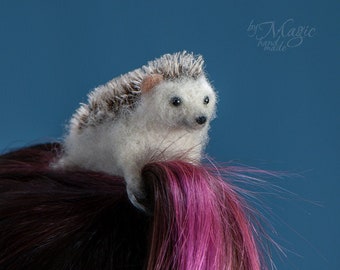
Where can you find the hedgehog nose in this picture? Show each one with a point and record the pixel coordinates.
(201, 120)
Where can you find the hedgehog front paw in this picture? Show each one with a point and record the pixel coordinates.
(137, 197)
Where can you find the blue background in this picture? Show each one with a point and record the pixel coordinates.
(277, 110)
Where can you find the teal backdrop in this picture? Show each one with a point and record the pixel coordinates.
(275, 65)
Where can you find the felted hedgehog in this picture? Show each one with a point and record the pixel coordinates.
(159, 112)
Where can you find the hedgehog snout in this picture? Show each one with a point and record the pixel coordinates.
(201, 120)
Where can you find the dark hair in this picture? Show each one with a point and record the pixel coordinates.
(56, 219)
(53, 219)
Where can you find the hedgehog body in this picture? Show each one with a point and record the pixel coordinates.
(157, 113)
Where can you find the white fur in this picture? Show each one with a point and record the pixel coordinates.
(155, 130)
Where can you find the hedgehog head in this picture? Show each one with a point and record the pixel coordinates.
(183, 102)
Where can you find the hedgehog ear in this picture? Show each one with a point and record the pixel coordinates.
(150, 82)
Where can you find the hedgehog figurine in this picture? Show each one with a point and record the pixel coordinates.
(159, 112)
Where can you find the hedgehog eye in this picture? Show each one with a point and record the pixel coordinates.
(206, 100)
(176, 101)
